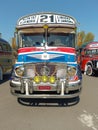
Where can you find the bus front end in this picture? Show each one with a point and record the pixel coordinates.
(46, 65)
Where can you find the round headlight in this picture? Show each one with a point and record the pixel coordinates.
(71, 71)
(19, 71)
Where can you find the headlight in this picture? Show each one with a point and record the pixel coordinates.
(19, 71)
(72, 74)
(71, 71)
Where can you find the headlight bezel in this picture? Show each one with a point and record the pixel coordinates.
(72, 73)
(19, 71)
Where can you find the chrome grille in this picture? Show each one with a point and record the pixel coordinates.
(29, 70)
(48, 69)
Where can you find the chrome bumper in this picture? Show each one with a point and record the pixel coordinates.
(61, 90)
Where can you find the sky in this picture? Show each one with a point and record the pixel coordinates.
(84, 11)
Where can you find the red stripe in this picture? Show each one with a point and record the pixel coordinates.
(59, 49)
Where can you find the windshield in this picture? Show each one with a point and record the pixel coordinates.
(58, 39)
(92, 52)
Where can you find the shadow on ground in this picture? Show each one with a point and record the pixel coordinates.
(48, 102)
(5, 78)
(96, 75)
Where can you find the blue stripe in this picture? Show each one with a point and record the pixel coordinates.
(60, 58)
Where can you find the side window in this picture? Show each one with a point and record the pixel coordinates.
(4, 47)
(8, 47)
(94, 51)
(88, 52)
(0, 47)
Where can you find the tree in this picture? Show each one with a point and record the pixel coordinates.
(84, 38)
(89, 37)
(13, 43)
(80, 39)
(14, 47)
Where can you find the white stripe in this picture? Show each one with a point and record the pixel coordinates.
(38, 52)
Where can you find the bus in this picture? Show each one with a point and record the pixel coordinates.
(89, 58)
(46, 65)
(6, 58)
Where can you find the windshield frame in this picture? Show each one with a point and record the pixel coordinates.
(39, 39)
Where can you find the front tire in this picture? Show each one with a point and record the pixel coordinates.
(89, 70)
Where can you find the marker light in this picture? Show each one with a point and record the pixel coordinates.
(45, 26)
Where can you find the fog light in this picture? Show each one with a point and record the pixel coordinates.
(44, 79)
(37, 79)
(52, 79)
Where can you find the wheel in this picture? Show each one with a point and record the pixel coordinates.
(89, 70)
(1, 74)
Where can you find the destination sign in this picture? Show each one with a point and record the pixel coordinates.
(94, 45)
(46, 18)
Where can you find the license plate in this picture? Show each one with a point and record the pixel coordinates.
(44, 87)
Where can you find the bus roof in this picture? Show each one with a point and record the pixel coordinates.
(2, 40)
(92, 45)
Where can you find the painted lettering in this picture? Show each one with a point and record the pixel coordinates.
(46, 18)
